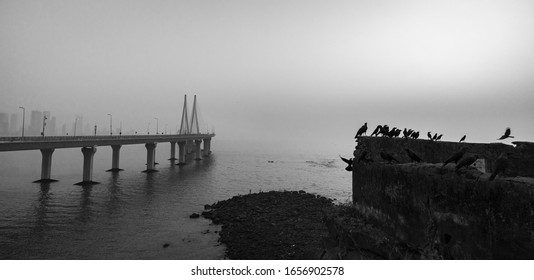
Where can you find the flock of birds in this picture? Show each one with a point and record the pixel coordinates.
(459, 158)
(385, 131)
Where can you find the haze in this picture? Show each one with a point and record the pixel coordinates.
(288, 75)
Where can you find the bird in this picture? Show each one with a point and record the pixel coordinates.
(456, 156)
(413, 156)
(463, 138)
(466, 161)
(435, 137)
(415, 135)
(388, 157)
(361, 131)
(429, 135)
(384, 130)
(377, 130)
(500, 165)
(439, 137)
(349, 163)
(506, 134)
(405, 133)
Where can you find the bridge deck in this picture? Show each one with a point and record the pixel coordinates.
(55, 142)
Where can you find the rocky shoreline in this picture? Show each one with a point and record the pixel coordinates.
(272, 225)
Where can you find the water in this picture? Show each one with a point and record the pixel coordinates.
(130, 214)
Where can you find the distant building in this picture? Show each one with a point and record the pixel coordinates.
(36, 123)
(51, 126)
(4, 124)
(14, 125)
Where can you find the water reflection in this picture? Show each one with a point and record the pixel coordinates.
(85, 213)
(43, 201)
(114, 191)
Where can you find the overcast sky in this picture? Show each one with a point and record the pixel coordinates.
(298, 74)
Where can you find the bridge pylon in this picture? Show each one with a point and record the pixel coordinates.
(194, 128)
(184, 125)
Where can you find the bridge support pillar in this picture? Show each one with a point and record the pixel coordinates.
(197, 149)
(150, 157)
(173, 150)
(189, 146)
(207, 147)
(88, 154)
(181, 152)
(116, 151)
(46, 166)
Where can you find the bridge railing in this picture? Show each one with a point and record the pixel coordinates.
(99, 137)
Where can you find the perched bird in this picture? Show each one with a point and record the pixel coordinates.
(500, 165)
(385, 130)
(415, 135)
(377, 130)
(455, 157)
(388, 157)
(348, 162)
(396, 132)
(361, 131)
(506, 134)
(435, 137)
(466, 161)
(439, 137)
(429, 135)
(463, 138)
(413, 156)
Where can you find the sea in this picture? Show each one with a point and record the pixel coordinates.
(136, 215)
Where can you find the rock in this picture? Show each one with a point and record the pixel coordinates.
(271, 225)
(166, 245)
(194, 216)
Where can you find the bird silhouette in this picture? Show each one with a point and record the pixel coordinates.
(388, 157)
(455, 157)
(429, 135)
(412, 155)
(385, 130)
(415, 135)
(361, 131)
(500, 165)
(463, 138)
(439, 137)
(348, 162)
(435, 137)
(466, 161)
(377, 130)
(506, 134)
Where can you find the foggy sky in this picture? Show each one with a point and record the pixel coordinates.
(301, 75)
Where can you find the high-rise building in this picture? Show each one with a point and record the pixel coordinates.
(14, 125)
(4, 124)
(36, 123)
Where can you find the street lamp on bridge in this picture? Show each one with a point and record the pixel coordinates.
(44, 125)
(110, 124)
(157, 125)
(23, 116)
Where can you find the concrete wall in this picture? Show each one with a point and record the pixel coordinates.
(462, 215)
(521, 161)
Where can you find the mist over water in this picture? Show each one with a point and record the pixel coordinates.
(130, 214)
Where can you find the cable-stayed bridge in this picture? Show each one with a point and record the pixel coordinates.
(189, 140)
